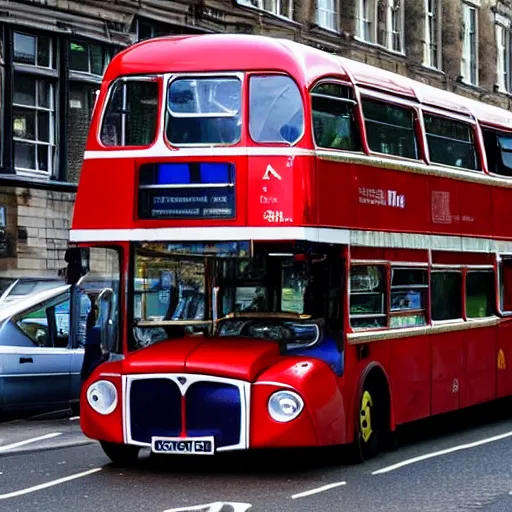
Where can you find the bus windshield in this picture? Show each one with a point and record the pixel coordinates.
(222, 289)
(204, 110)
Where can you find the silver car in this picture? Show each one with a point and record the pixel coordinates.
(39, 369)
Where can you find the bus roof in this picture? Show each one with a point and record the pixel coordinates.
(241, 52)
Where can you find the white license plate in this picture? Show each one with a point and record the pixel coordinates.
(183, 445)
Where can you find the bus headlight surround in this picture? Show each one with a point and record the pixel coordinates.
(284, 406)
(102, 397)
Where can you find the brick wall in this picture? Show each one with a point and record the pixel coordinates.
(37, 227)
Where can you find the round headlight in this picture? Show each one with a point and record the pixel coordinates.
(102, 396)
(285, 406)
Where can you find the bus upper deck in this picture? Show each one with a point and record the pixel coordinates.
(277, 134)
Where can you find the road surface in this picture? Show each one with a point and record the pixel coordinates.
(455, 463)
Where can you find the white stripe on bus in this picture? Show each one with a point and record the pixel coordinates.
(325, 235)
(160, 151)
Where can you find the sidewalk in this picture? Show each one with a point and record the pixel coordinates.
(27, 435)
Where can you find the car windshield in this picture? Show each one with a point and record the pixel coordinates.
(224, 290)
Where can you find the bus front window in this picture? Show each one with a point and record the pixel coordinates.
(222, 290)
(204, 111)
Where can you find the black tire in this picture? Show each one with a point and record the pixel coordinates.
(372, 427)
(121, 454)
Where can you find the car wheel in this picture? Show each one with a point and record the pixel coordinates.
(121, 454)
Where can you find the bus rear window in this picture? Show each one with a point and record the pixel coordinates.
(204, 111)
(276, 111)
(131, 114)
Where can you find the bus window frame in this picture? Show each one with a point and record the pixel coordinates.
(462, 119)
(171, 77)
(304, 94)
(497, 132)
(122, 250)
(447, 269)
(357, 117)
(418, 127)
(499, 282)
(472, 269)
(160, 81)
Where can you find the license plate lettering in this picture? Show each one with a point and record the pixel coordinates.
(184, 446)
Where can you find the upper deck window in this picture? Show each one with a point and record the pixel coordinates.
(450, 142)
(204, 111)
(334, 123)
(390, 129)
(498, 149)
(276, 111)
(131, 114)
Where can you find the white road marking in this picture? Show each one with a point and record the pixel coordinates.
(48, 484)
(441, 452)
(28, 441)
(317, 490)
(213, 507)
(74, 418)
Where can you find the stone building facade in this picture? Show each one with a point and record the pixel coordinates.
(53, 54)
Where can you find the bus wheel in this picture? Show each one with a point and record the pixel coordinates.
(371, 425)
(121, 454)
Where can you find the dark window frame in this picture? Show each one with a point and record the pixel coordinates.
(492, 304)
(460, 273)
(349, 101)
(123, 81)
(473, 142)
(413, 129)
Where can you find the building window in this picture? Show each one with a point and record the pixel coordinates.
(326, 14)
(33, 50)
(34, 103)
(87, 63)
(88, 58)
(503, 57)
(432, 55)
(381, 22)
(469, 62)
(278, 7)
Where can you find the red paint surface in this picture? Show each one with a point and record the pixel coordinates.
(422, 371)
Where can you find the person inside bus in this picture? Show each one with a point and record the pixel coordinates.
(93, 353)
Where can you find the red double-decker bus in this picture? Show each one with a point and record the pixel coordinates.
(294, 249)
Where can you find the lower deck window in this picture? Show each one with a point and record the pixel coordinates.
(446, 288)
(480, 296)
(367, 296)
(408, 297)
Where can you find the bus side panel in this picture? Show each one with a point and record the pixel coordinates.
(504, 358)
(410, 378)
(447, 368)
(480, 365)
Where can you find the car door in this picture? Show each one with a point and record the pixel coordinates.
(37, 360)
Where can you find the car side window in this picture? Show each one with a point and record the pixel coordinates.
(47, 325)
(34, 325)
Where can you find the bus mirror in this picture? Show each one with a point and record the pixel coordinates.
(77, 259)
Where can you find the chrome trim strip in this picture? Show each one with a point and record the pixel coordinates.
(356, 338)
(243, 387)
